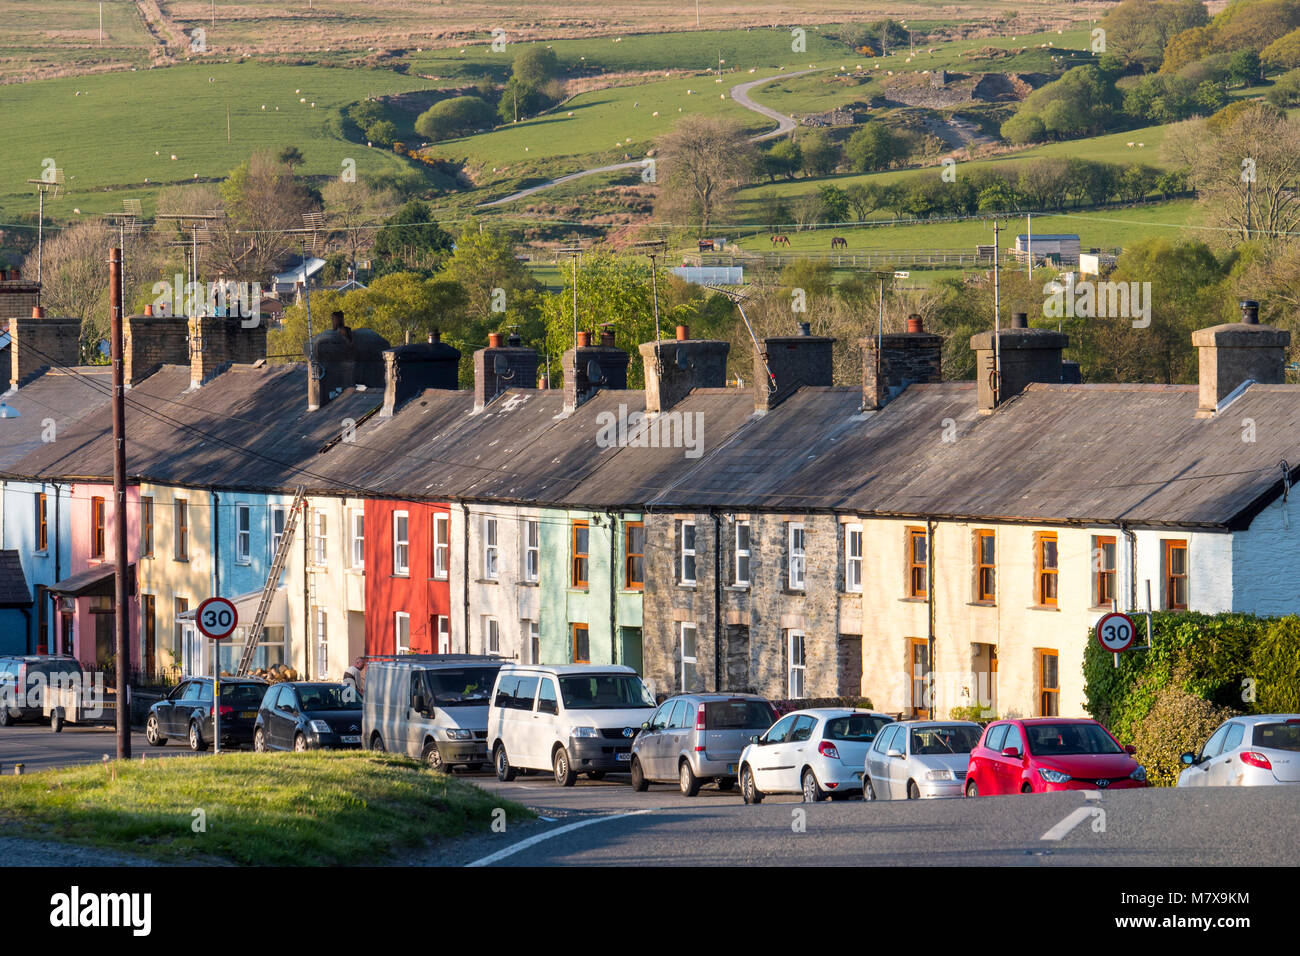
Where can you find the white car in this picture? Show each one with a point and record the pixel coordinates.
(915, 759)
(817, 753)
(569, 719)
(1258, 750)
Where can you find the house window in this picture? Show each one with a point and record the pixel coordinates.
(1176, 575)
(853, 558)
(322, 643)
(687, 575)
(581, 543)
(146, 526)
(634, 573)
(491, 552)
(319, 539)
(42, 523)
(690, 668)
(986, 586)
(243, 533)
(182, 508)
(97, 527)
(277, 530)
(580, 643)
(491, 636)
(1103, 571)
(797, 669)
(798, 559)
(179, 607)
(358, 548)
(917, 582)
(149, 624)
(534, 647)
(1047, 568)
(441, 546)
(444, 634)
(532, 550)
(402, 632)
(920, 669)
(742, 554)
(401, 544)
(1050, 685)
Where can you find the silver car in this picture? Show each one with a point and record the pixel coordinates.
(913, 759)
(693, 738)
(1259, 750)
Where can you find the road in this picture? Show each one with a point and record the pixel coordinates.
(739, 93)
(39, 748)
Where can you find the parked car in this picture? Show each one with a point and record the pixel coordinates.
(430, 706)
(919, 758)
(1259, 750)
(697, 737)
(23, 679)
(187, 712)
(569, 719)
(1043, 754)
(818, 753)
(307, 715)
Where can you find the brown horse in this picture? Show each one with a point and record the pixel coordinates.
(780, 240)
(839, 242)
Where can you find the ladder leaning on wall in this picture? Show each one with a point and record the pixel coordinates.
(254, 634)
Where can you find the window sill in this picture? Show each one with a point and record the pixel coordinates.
(799, 592)
(737, 587)
(914, 600)
(522, 584)
(684, 586)
(574, 589)
(1043, 607)
(399, 574)
(981, 603)
(851, 593)
(487, 581)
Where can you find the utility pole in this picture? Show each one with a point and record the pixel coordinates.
(997, 322)
(1029, 252)
(120, 616)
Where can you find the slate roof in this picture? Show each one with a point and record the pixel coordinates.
(66, 396)
(14, 591)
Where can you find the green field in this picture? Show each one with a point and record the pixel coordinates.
(38, 37)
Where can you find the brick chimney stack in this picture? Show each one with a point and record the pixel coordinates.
(675, 366)
(1236, 352)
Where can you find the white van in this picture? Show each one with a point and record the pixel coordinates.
(570, 719)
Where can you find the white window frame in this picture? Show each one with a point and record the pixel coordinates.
(243, 534)
(532, 552)
(441, 546)
(319, 538)
(400, 618)
(796, 673)
(693, 659)
(742, 581)
(852, 562)
(491, 635)
(797, 561)
(491, 549)
(684, 553)
(534, 646)
(358, 529)
(402, 545)
(280, 515)
(443, 624)
(322, 642)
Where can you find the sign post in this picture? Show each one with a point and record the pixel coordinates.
(1115, 632)
(216, 618)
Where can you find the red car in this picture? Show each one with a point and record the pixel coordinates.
(1043, 754)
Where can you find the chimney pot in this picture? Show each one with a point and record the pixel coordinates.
(683, 333)
(915, 324)
(38, 312)
(584, 340)
(148, 310)
(1250, 312)
(805, 328)
(1232, 354)
(494, 340)
(514, 341)
(1020, 320)
(607, 336)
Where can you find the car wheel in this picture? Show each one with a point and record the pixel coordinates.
(377, 743)
(299, 744)
(748, 789)
(197, 743)
(868, 789)
(259, 741)
(812, 791)
(433, 759)
(1026, 788)
(153, 733)
(56, 720)
(913, 791)
(565, 775)
(972, 788)
(725, 784)
(5, 719)
(595, 775)
(505, 772)
(639, 782)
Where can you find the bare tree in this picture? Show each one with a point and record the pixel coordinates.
(353, 212)
(700, 164)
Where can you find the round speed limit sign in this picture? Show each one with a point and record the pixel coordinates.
(1115, 632)
(216, 618)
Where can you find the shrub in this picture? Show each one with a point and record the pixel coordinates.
(1275, 669)
(784, 707)
(1178, 722)
(454, 117)
(972, 712)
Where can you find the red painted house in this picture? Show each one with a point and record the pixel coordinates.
(408, 577)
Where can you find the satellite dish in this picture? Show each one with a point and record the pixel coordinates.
(594, 372)
(501, 366)
(682, 362)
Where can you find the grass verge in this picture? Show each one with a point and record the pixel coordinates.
(318, 809)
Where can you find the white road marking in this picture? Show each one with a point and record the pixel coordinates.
(1069, 823)
(540, 837)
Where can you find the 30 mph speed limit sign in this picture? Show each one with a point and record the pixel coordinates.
(216, 618)
(1115, 632)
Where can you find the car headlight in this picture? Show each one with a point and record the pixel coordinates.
(938, 775)
(454, 734)
(1053, 776)
(320, 727)
(583, 732)
(1139, 774)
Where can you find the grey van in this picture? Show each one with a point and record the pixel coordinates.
(696, 737)
(23, 679)
(430, 706)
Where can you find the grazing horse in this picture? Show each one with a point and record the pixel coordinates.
(839, 242)
(780, 240)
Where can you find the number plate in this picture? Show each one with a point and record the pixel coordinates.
(623, 757)
(356, 739)
(731, 768)
(248, 714)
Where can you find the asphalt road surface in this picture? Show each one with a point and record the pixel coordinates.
(38, 748)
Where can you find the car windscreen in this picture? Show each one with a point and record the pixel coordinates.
(738, 715)
(854, 728)
(328, 697)
(604, 692)
(1047, 740)
(1277, 736)
(242, 695)
(940, 741)
(460, 686)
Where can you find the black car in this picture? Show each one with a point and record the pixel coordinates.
(187, 712)
(308, 715)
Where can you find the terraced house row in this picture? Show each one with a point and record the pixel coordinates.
(795, 539)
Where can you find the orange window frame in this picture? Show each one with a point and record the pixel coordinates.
(1049, 694)
(146, 527)
(634, 560)
(918, 585)
(98, 543)
(1173, 580)
(574, 630)
(579, 570)
(182, 529)
(1103, 577)
(42, 523)
(1048, 577)
(985, 571)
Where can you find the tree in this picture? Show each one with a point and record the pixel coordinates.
(411, 241)
(814, 278)
(291, 156)
(784, 159)
(866, 198)
(872, 148)
(532, 86)
(382, 133)
(455, 116)
(1243, 67)
(835, 203)
(1137, 31)
(820, 154)
(484, 261)
(351, 211)
(1285, 91)
(702, 160)
(535, 66)
(1082, 102)
(1283, 53)
(262, 203)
